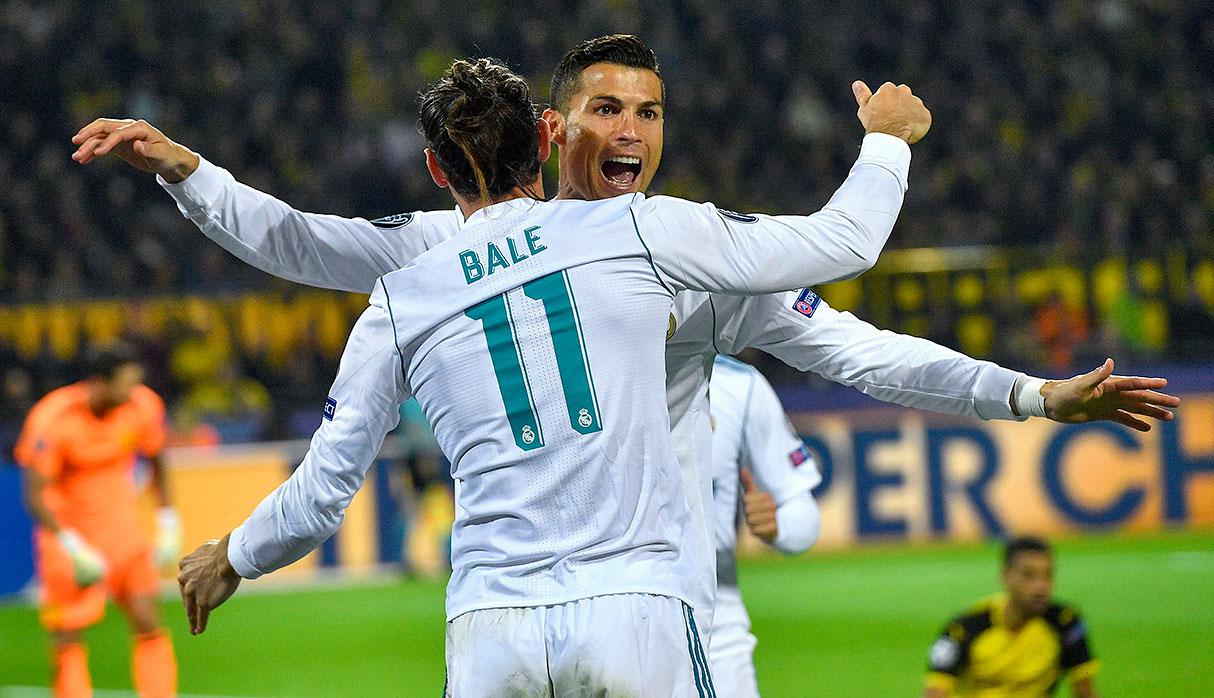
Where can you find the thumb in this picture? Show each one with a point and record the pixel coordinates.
(861, 91)
(141, 147)
(1093, 379)
(748, 482)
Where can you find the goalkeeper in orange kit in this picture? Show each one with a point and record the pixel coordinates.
(78, 450)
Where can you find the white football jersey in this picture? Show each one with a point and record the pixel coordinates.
(749, 430)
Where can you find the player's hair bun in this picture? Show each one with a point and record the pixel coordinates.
(479, 120)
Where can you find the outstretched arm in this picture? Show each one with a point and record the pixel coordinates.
(699, 247)
(310, 506)
(347, 254)
(803, 331)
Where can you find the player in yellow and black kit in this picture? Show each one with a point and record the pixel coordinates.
(1015, 645)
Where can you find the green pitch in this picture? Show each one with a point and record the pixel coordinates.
(836, 624)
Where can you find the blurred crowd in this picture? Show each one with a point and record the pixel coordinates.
(233, 368)
(1081, 130)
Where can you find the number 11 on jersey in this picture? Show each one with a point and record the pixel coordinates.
(510, 366)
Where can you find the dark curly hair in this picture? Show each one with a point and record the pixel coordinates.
(104, 362)
(481, 124)
(620, 49)
(1024, 544)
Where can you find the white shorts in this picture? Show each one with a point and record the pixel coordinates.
(731, 652)
(634, 645)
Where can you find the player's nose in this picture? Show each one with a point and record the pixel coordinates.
(627, 131)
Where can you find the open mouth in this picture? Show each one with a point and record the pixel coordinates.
(621, 171)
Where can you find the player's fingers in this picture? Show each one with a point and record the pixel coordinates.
(120, 135)
(861, 92)
(190, 603)
(204, 612)
(748, 481)
(766, 532)
(1096, 377)
(97, 126)
(1148, 411)
(758, 501)
(1137, 382)
(84, 153)
(1150, 397)
(1129, 420)
(758, 518)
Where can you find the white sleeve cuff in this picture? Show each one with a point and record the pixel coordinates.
(993, 394)
(798, 524)
(238, 558)
(889, 152)
(1029, 400)
(198, 191)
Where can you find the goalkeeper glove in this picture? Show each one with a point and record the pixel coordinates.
(88, 567)
(168, 536)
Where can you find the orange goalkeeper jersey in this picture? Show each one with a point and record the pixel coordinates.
(90, 460)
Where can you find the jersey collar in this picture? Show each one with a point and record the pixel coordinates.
(497, 210)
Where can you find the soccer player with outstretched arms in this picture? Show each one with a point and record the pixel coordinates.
(351, 253)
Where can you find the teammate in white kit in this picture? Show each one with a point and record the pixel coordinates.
(533, 339)
(761, 473)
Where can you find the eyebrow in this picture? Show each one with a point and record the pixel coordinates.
(616, 100)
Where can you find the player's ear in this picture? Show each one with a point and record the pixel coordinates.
(556, 122)
(545, 131)
(436, 170)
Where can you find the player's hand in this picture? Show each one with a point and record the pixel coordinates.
(892, 109)
(88, 567)
(1100, 395)
(760, 509)
(139, 143)
(206, 580)
(168, 536)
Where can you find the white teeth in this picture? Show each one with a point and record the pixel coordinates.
(625, 160)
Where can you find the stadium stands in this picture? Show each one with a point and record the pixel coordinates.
(1087, 178)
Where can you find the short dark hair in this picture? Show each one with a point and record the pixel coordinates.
(620, 49)
(481, 124)
(1024, 544)
(104, 362)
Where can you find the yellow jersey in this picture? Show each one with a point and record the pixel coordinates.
(978, 656)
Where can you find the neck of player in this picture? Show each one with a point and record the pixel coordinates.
(1014, 616)
(471, 206)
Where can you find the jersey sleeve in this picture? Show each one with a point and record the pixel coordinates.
(1075, 655)
(949, 656)
(346, 254)
(39, 447)
(363, 406)
(778, 459)
(700, 247)
(803, 331)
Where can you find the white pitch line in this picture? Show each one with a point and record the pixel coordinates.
(35, 692)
